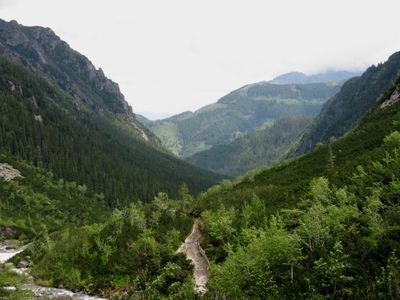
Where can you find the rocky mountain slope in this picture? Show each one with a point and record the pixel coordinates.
(74, 121)
(346, 108)
(240, 112)
(47, 56)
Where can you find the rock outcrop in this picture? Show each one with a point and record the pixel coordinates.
(394, 97)
(7, 172)
(52, 59)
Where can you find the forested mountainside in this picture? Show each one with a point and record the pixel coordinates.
(58, 112)
(257, 149)
(75, 163)
(44, 54)
(34, 202)
(304, 229)
(241, 111)
(309, 227)
(301, 78)
(347, 107)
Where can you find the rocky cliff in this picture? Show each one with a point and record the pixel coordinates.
(47, 56)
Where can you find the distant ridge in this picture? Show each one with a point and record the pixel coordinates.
(346, 108)
(301, 78)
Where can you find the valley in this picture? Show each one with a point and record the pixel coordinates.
(282, 189)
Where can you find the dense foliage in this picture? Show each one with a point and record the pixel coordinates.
(322, 226)
(305, 229)
(240, 112)
(83, 146)
(37, 203)
(346, 108)
(341, 242)
(255, 150)
(133, 252)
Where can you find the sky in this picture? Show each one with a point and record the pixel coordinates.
(177, 55)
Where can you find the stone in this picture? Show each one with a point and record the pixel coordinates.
(7, 172)
(23, 264)
(11, 86)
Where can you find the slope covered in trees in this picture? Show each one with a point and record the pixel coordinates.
(35, 202)
(307, 229)
(255, 150)
(240, 112)
(347, 107)
(82, 131)
(304, 229)
(324, 225)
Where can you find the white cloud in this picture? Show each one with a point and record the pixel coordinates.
(171, 56)
(7, 3)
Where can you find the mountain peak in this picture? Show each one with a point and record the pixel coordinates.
(49, 57)
(301, 78)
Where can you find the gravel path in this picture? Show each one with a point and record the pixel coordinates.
(196, 254)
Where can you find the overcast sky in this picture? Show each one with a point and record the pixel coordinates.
(169, 56)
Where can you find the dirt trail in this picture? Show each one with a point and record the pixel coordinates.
(196, 254)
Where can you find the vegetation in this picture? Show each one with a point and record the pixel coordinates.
(10, 278)
(345, 109)
(38, 203)
(257, 149)
(82, 145)
(133, 253)
(325, 225)
(304, 229)
(240, 112)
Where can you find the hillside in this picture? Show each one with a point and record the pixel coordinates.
(257, 149)
(277, 233)
(241, 111)
(74, 121)
(348, 106)
(48, 57)
(301, 78)
(34, 202)
(287, 227)
(282, 185)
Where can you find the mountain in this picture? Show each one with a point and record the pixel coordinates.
(304, 229)
(33, 200)
(257, 149)
(142, 119)
(240, 112)
(62, 114)
(301, 78)
(348, 106)
(288, 227)
(43, 53)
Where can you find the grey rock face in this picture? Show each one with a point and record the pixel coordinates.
(52, 59)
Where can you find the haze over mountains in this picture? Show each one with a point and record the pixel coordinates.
(301, 78)
(346, 108)
(247, 110)
(99, 207)
(240, 112)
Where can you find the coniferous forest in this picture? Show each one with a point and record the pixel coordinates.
(99, 206)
